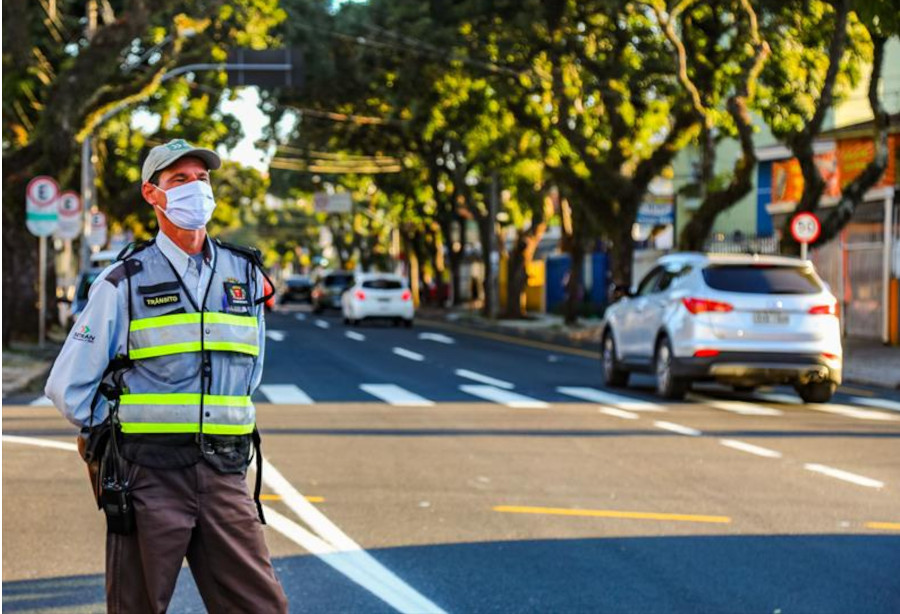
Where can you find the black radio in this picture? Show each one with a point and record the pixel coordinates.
(116, 503)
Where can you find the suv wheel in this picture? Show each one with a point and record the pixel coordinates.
(613, 375)
(668, 386)
(816, 392)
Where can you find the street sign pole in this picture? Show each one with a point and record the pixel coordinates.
(805, 228)
(42, 290)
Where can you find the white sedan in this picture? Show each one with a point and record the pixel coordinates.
(378, 295)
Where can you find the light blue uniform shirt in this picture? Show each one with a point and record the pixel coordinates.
(101, 333)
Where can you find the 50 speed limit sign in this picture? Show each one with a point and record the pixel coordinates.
(805, 228)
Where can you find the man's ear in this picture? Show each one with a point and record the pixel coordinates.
(152, 194)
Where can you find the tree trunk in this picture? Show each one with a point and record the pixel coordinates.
(622, 256)
(574, 285)
(521, 257)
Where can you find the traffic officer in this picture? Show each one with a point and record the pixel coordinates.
(165, 356)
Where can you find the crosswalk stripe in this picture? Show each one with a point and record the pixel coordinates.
(607, 398)
(852, 412)
(678, 428)
(322, 324)
(503, 397)
(737, 407)
(285, 394)
(484, 379)
(879, 403)
(396, 395)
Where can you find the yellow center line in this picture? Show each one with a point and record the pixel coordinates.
(560, 511)
(268, 497)
(887, 526)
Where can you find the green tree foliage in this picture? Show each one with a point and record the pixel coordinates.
(60, 77)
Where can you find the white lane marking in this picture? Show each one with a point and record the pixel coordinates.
(395, 395)
(879, 403)
(749, 447)
(608, 398)
(346, 556)
(285, 394)
(322, 324)
(618, 413)
(408, 354)
(439, 338)
(503, 397)
(276, 335)
(842, 475)
(737, 407)
(484, 379)
(352, 334)
(351, 559)
(677, 428)
(852, 412)
(43, 443)
(300, 316)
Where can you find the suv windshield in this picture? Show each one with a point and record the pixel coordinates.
(761, 279)
(382, 284)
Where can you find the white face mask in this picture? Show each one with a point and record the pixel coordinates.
(189, 206)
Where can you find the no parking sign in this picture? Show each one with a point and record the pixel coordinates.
(68, 206)
(41, 216)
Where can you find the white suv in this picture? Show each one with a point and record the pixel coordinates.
(738, 319)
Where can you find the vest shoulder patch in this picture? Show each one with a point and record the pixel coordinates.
(250, 253)
(123, 270)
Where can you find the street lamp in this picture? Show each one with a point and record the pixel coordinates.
(87, 163)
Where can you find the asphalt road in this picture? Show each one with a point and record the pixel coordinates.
(429, 469)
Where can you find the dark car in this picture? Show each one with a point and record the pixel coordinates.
(297, 289)
(82, 287)
(326, 294)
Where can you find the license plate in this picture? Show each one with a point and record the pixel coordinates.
(770, 317)
(384, 300)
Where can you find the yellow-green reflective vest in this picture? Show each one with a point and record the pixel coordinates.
(193, 361)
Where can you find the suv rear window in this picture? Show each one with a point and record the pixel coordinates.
(761, 279)
(382, 284)
(338, 280)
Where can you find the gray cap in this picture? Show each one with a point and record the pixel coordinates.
(162, 156)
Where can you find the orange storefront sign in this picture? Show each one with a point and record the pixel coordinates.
(855, 154)
(787, 178)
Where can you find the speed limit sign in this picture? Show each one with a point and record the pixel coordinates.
(805, 228)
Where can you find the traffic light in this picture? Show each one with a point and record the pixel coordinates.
(266, 68)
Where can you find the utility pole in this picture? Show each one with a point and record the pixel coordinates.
(492, 291)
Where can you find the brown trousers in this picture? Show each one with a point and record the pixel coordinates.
(203, 515)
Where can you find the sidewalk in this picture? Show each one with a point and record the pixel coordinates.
(25, 367)
(867, 363)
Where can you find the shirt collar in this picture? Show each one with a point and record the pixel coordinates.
(177, 256)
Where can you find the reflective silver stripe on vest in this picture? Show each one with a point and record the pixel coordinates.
(180, 413)
(180, 333)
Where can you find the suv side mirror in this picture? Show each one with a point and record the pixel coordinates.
(620, 292)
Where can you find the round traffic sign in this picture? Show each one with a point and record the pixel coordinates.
(42, 191)
(69, 204)
(805, 228)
